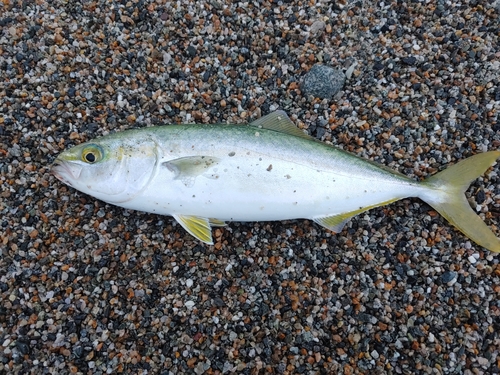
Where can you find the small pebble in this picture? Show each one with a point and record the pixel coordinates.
(448, 276)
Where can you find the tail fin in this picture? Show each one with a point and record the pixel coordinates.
(449, 199)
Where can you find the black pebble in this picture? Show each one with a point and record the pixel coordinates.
(411, 60)
(480, 196)
(448, 276)
(71, 92)
(191, 51)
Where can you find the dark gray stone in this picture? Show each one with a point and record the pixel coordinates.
(322, 82)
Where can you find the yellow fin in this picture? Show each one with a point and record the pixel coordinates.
(337, 222)
(279, 121)
(447, 197)
(198, 227)
(216, 222)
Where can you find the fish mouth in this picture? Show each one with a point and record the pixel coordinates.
(65, 171)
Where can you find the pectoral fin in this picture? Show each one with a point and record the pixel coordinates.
(188, 168)
(198, 227)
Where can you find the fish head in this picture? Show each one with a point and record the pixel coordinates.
(114, 169)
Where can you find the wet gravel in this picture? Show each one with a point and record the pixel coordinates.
(90, 288)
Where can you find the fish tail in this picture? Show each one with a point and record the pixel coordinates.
(450, 201)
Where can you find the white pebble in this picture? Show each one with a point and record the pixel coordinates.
(482, 361)
(472, 259)
(189, 283)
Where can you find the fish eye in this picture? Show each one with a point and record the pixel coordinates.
(91, 154)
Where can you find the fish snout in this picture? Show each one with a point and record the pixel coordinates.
(65, 171)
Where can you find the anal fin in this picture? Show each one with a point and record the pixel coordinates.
(337, 222)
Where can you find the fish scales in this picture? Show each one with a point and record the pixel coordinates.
(269, 176)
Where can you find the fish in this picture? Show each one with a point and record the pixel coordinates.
(204, 175)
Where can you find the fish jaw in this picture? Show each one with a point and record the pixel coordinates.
(66, 171)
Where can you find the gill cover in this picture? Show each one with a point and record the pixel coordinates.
(135, 167)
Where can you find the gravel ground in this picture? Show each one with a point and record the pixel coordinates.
(90, 288)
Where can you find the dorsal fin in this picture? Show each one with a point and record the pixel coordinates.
(279, 121)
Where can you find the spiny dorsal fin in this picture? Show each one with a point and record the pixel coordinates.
(279, 121)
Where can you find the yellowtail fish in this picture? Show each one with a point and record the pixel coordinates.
(205, 175)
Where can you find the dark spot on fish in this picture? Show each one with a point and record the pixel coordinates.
(194, 196)
(288, 176)
(269, 168)
(232, 153)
